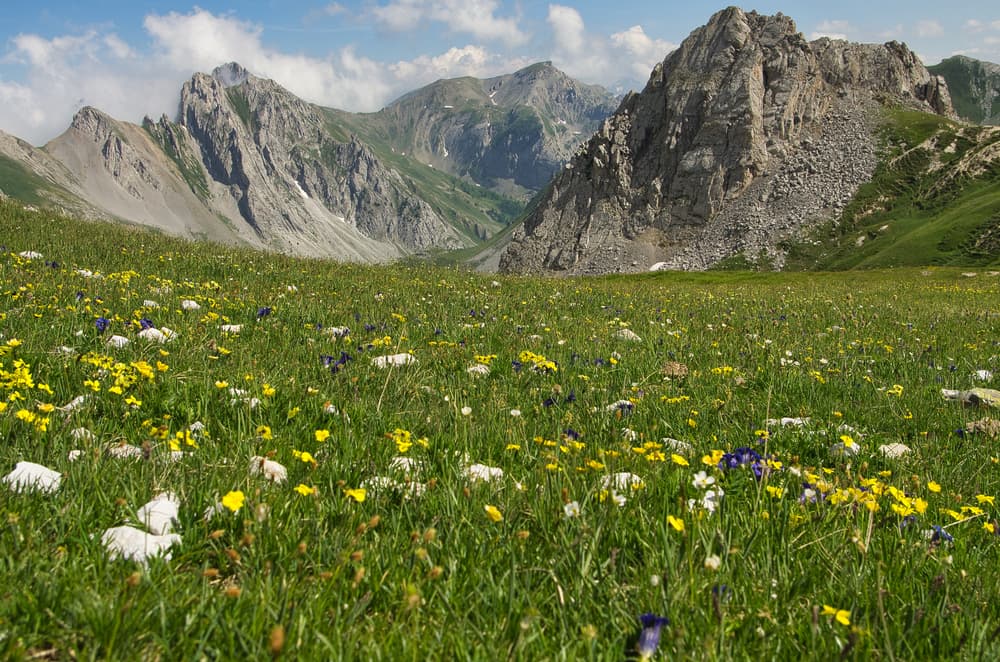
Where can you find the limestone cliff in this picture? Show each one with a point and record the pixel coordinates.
(742, 136)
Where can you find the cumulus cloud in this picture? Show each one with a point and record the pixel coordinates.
(929, 28)
(630, 54)
(831, 29)
(475, 17)
(67, 72)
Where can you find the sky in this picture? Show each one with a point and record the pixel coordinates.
(131, 58)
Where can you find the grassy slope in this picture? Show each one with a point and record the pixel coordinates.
(433, 577)
(905, 215)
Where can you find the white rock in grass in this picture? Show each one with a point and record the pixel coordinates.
(478, 370)
(215, 509)
(377, 485)
(117, 341)
(188, 304)
(74, 455)
(677, 446)
(842, 450)
(160, 514)
(81, 434)
(134, 545)
(31, 255)
(393, 360)
(149, 303)
(404, 464)
(66, 350)
(124, 451)
(232, 329)
(622, 480)
(483, 472)
(74, 404)
(787, 422)
(269, 469)
(28, 476)
(983, 375)
(628, 334)
(337, 331)
(894, 450)
(154, 335)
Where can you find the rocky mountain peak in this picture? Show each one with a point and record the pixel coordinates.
(230, 74)
(731, 110)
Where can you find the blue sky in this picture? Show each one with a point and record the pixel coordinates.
(130, 58)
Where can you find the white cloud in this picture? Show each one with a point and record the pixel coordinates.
(974, 25)
(831, 29)
(467, 61)
(929, 28)
(630, 54)
(475, 17)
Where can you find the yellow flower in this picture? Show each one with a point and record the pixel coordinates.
(494, 513)
(982, 498)
(322, 435)
(842, 616)
(774, 491)
(264, 432)
(358, 494)
(305, 490)
(234, 500)
(221, 384)
(847, 441)
(294, 411)
(305, 456)
(678, 459)
(675, 522)
(933, 487)
(268, 391)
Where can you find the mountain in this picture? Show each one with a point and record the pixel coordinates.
(974, 87)
(511, 133)
(745, 136)
(246, 161)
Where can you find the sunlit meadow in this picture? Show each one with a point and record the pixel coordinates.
(329, 461)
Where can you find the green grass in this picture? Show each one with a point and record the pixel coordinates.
(917, 210)
(432, 576)
(19, 182)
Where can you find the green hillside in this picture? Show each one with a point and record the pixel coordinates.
(934, 200)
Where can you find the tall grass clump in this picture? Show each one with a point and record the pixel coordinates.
(483, 467)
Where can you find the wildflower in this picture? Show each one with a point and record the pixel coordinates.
(358, 495)
(493, 513)
(938, 534)
(264, 432)
(305, 490)
(896, 390)
(322, 435)
(678, 459)
(649, 637)
(713, 562)
(702, 480)
(263, 311)
(234, 500)
(774, 491)
(933, 487)
(571, 510)
(982, 498)
(466, 411)
(842, 616)
(305, 456)
(102, 324)
(676, 523)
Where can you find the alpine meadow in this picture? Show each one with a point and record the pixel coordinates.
(334, 461)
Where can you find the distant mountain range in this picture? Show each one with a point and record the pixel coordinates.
(750, 146)
(246, 161)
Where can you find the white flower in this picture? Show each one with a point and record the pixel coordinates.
(622, 480)
(478, 370)
(515, 412)
(571, 509)
(403, 464)
(188, 304)
(74, 455)
(712, 562)
(702, 480)
(466, 411)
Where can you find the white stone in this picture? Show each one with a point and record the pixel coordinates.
(28, 476)
(623, 480)
(478, 370)
(153, 335)
(393, 360)
(117, 341)
(160, 514)
(124, 451)
(31, 255)
(134, 545)
(894, 450)
(81, 434)
(269, 469)
(233, 329)
(189, 304)
(628, 334)
(483, 472)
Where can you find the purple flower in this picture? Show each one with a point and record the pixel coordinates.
(102, 324)
(649, 637)
(263, 311)
(940, 535)
(146, 323)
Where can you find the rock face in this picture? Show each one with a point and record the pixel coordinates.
(511, 133)
(974, 86)
(742, 136)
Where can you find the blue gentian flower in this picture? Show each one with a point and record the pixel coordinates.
(102, 324)
(263, 311)
(146, 323)
(649, 637)
(940, 535)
